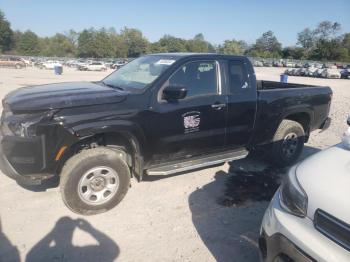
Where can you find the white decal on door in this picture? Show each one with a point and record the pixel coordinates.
(191, 121)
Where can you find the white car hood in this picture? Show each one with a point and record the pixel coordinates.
(325, 177)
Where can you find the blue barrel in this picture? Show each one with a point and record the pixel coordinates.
(58, 70)
(284, 78)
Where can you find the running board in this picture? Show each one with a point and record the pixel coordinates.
(195, 163)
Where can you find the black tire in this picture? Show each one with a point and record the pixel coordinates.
(80, 164)
(288, 143)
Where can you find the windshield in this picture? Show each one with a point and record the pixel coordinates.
(139, 73)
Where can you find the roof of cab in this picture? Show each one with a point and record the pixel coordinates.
(182, 55)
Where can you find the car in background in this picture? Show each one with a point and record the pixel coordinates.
(50, 64)
(267, 64)
(258, 63)
(288, 64)
(330, 73)
(118, 64)
(345, 73)
(311, 71)
(11, 61)
(308, 219)
(94, 66)
(318, 72)
(277, 64)
(318, 65)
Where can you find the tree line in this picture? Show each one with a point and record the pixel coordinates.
(323, 43)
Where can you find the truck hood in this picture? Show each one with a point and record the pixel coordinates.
(325, 177)
(61, 95)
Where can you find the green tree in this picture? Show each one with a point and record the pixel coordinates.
(85, 43)
(5, 33)
(58, 45)
(103, 44)
(29, 44)
(324, 43)
(233, 47)
(293, 52)
(136, 42)
(326, 30)
(199, 45)
(169, 43)
(268, 42)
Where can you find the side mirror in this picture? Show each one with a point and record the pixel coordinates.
(172, 93)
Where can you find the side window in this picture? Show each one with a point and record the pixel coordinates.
(238, 76)
(199, 78)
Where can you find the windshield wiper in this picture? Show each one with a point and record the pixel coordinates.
(113, 86)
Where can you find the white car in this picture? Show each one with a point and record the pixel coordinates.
(309, 217)
(94, 66)
(50, 64)
(331, 73)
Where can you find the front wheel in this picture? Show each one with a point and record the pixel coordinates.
(94, 181)
(288, 143)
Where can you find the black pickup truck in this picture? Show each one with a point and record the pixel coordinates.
(160, 114)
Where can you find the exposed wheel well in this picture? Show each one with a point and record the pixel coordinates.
(119, 141)
(304, 119)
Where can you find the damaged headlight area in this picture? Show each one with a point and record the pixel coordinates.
(293, 198)
(23, 125)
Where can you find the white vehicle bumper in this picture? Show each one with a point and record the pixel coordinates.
(284, 235)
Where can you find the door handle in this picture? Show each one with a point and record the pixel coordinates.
(218, 106)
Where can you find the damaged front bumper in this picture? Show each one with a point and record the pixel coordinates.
(22, 160)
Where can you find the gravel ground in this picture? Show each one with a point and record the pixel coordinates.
(190, 217)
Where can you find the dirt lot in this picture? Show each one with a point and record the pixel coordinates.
(207, 215)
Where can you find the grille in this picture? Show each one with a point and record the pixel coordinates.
(333, 228)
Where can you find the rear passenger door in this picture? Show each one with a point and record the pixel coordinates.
(242, 102)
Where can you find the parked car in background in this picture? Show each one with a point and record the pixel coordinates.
(11, 61)
(118, 64)
(277, 64)
(50, 64)
(94, 66)
(330, 73)
(308, 219)
(345, 73)
(318, 72)
(318, 65)
(288, 64)
(258, 63)
(311, 71)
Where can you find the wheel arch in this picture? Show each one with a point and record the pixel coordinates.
(127, 138)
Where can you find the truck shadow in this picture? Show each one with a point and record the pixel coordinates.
(57, 245)
(227, 212)
(8, 252)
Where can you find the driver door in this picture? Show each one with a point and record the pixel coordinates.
(194, 125)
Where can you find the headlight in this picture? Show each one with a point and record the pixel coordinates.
(23, 125)
(292, 197)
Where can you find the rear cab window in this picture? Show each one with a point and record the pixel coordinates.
(238, 76)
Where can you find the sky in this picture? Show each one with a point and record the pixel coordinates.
(217, 20)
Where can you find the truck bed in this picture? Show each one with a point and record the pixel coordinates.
(277, 101)
(268, 85)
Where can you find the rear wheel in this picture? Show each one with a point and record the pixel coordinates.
(288, 143)
(94, 181)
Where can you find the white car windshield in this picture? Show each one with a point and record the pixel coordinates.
(140, 72)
